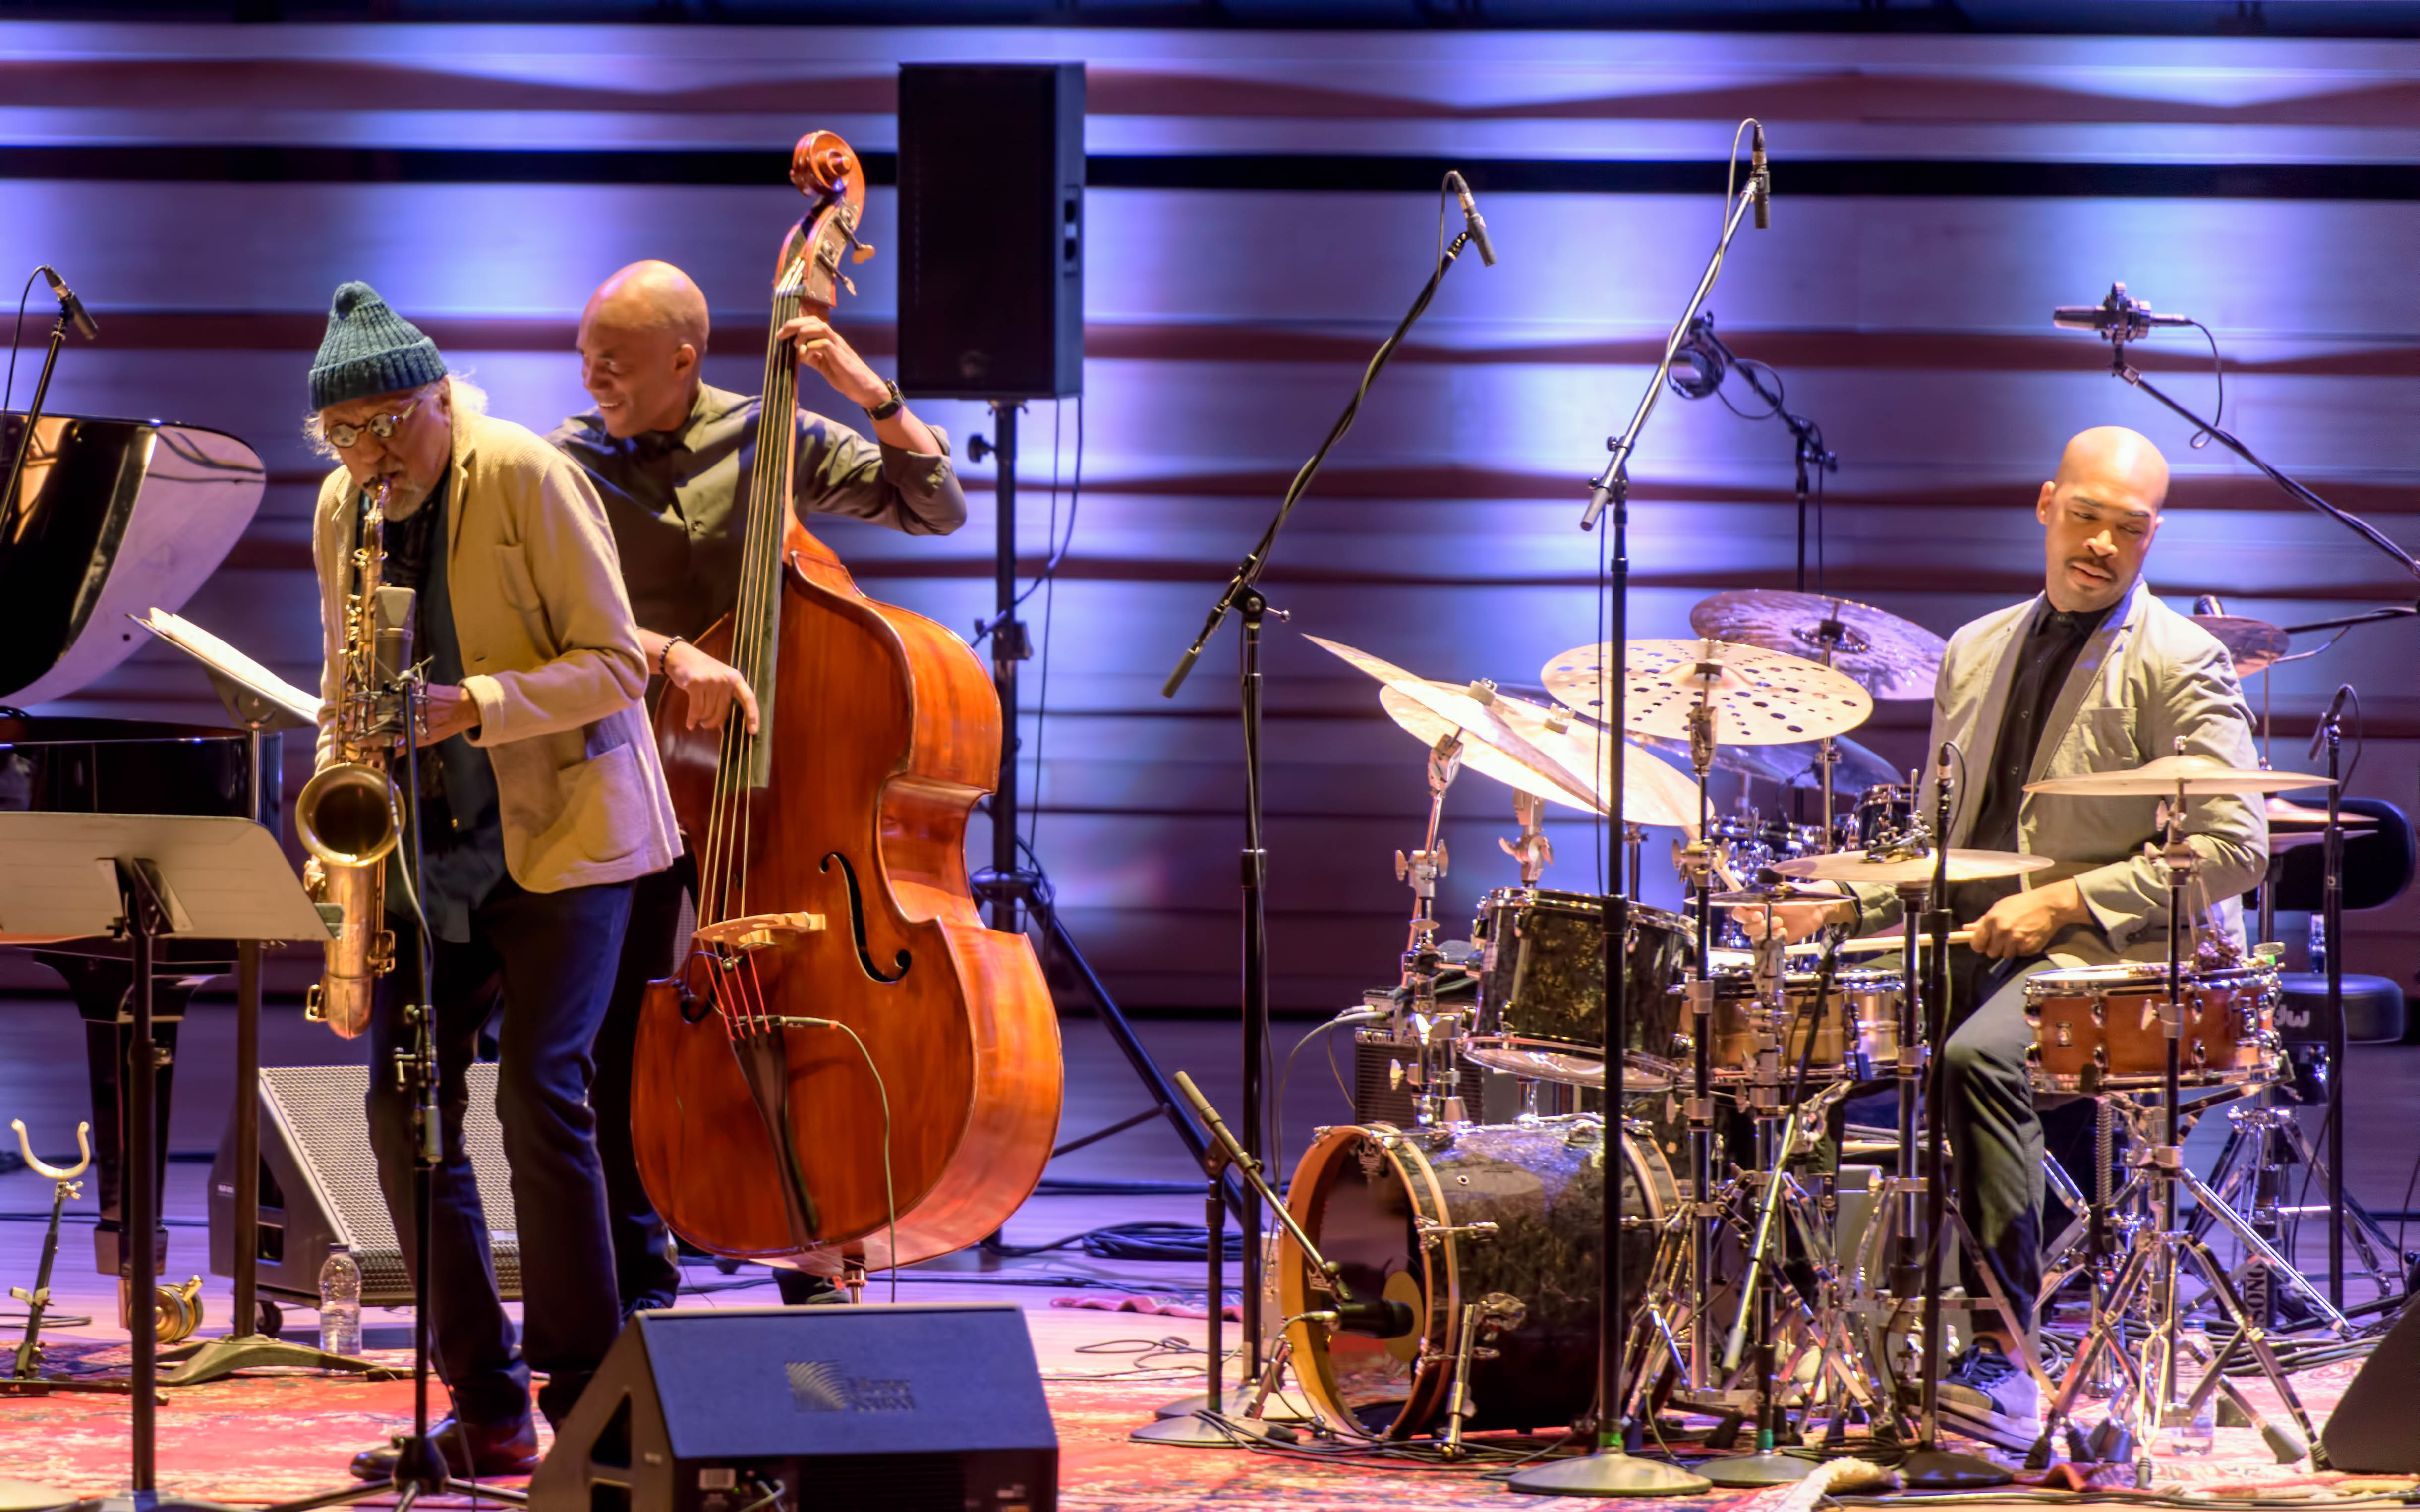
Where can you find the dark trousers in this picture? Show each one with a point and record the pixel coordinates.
(646, 1269)
(1995, 1136)
(554, 955)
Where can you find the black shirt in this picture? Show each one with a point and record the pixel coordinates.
(461, 820)
(2051, 646)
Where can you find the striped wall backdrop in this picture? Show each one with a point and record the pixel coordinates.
(1260, 209)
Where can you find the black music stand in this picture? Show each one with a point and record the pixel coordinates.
(140, 878)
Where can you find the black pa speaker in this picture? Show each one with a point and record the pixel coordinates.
(318, 1186)
(2376, 1428)
(867, 1409)
(991, 211)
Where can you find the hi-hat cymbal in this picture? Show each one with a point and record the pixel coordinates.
(1889, 657)
(1459, 709)
(1652, 791)
(1965, 867)
(2252, 645)
(2200, 776)
(1759, 697)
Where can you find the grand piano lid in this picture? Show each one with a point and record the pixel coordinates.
(114, 517)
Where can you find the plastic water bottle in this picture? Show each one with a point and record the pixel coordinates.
(2200, 1435)
(340, 1303)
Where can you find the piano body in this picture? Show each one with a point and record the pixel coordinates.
(115, 517)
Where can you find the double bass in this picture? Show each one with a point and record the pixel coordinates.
(848, 1072)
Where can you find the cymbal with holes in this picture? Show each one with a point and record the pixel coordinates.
(1965, 867)
(2199, 776)
(1652, 791)
(1889, 657)
(1758, 698)
(1470, 709)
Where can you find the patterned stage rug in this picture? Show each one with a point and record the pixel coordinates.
(267, 1437)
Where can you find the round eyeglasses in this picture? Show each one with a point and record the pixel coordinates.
(344, 437)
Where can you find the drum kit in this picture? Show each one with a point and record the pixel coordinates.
(1767, 1288)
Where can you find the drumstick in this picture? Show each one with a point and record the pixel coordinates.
(1876, 944)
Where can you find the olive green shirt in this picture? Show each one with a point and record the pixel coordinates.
(678, 500)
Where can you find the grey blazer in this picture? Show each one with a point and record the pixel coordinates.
(2149, 680)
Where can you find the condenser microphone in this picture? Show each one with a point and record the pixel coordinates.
(1472, 221)
(69, 306)
(2319, 731)
(1760, 179)
(2116, 318)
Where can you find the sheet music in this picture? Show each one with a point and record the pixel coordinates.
(217, 654)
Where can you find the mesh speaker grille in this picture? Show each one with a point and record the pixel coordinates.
(321, 1106)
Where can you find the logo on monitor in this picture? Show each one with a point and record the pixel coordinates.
(822, 1386)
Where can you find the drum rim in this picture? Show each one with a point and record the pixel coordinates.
(2151, 974)
(1551, 899)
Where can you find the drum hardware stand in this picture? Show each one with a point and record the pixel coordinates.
(27, 1378)
(1493, 1314)
(2262, 1144)
(2331, 732)
(2162, 1253)
(1421, 869)
(1534, 850)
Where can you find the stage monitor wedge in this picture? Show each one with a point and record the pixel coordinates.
(991, 226)
(2376, 1428)
(864, 1408)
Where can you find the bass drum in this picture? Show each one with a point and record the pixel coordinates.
(1394, 1211)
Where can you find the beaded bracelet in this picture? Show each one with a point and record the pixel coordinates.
(664, 656)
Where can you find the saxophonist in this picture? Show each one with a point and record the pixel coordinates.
(540, 803)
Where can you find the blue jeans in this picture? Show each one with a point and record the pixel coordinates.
(555, 954)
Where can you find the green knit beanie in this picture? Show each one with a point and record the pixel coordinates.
(369, 350)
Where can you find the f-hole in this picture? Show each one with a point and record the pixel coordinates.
(857, 925)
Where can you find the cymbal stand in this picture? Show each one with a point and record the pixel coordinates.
(2163, 1253)
(2263, 1144)
(1830, 635)
(1704, 1211)
(28, 1376)
(1438, 1093)
(1534, 850)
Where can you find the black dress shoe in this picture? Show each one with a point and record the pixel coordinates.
(474, 1450)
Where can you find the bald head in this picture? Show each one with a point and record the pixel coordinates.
(642, 338)
(2098, 517)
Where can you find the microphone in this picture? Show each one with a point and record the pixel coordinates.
(2117, 318)
(1760, 179)
(1471, 220)
(69, 306)
(2209, 606)
(2319, 731)
(1377, 1317)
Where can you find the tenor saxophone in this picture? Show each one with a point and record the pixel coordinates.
(349, 816)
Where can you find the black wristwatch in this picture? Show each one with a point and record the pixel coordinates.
(884, 411)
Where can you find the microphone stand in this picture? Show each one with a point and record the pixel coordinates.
(1243, 593)
(1612, 1470)
(26, 438)
(2118, 333)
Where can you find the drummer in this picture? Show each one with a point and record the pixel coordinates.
(2091, 675)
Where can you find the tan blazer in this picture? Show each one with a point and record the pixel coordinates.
(551, 655)
(2146, 679)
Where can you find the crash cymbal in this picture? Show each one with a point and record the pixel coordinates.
(2201, 777)
(2283, 840)
(1652, 791)
(1858, 769)
(1462, 710)
(2253, 644)
(1759, 697)
(1889, 657)
(2284, 814)
(1965, 867)
(1775, 763)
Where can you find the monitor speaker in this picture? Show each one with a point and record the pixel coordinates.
(318, 1186)
(867, 1409)
(2376, 1428)
(991, 214)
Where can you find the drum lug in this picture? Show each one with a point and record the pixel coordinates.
(2100, 1011)
(1432, 1231)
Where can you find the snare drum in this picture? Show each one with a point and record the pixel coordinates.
(1437, 1221)
(1858, 1036)
(2099, 1028)
(1542, 985)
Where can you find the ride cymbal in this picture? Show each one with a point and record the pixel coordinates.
(1758, 698)
(2252, 645)
(1889, 657)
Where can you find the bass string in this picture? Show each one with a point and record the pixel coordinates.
(753, 636)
